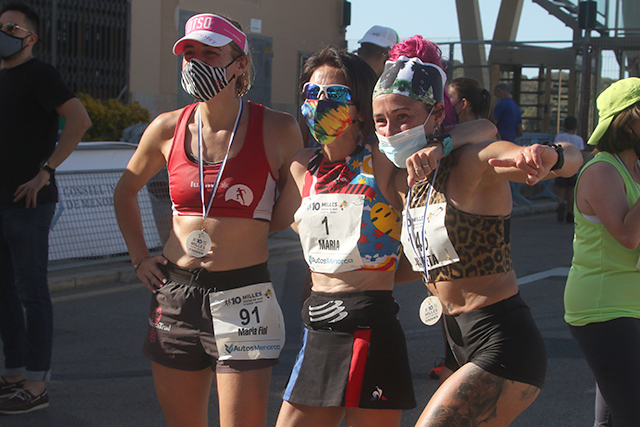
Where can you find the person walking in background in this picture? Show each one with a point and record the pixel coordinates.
(602, 294)
(566, 185)
(32, 97)
(506, 114)
(375, 45)
(225, 158)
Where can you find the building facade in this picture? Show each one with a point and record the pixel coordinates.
(282, 34)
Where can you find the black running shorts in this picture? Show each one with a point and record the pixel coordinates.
(502, 339)
(180, 334)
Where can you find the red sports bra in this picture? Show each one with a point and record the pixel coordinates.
(247, 188)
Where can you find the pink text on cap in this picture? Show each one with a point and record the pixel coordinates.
(217, 25)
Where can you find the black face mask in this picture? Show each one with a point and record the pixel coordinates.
(9, 45)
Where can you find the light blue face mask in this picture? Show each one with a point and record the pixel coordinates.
(400, 146)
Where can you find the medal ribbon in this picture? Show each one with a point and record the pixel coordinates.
(206, 208)
(424, 222)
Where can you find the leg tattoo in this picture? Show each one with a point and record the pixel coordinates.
(475, 401)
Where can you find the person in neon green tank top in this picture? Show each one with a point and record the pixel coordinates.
(602, 295)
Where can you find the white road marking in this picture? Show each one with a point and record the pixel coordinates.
(560, 271)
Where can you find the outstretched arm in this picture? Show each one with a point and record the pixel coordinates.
(422, 163)
(533, 163)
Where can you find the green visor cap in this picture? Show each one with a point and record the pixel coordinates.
(614, 99)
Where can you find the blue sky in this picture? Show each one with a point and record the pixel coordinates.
(437, 20)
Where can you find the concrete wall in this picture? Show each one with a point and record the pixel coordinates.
(296, 27)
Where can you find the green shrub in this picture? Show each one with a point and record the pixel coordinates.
(111, 117)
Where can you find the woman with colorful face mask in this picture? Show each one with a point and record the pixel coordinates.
(456, 234)
(225, 158)
(350, 238)
(602, 295)
(353, 363)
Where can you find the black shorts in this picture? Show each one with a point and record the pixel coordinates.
(353, 354)
(502, 339)
(180, 334)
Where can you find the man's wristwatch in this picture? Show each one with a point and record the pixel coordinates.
(560, 152)
(45, 166)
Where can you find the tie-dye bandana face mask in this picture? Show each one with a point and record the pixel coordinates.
(413, 78)
(326, 119)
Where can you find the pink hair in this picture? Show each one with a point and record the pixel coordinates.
(426, 51)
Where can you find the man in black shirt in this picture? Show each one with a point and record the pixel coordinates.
(32, 96)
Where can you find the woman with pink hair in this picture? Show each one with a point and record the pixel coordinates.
(426, 51)
(456, 234)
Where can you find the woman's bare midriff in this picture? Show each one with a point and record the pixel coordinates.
(465, 295)
(353, 281)
(236, 243)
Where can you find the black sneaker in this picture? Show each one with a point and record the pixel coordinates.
(22, 401)
(7, 388)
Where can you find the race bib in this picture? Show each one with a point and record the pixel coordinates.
(329, 227)
(247, 323)
(433, 247)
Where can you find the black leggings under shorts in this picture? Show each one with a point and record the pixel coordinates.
(180, 334)
(501, 339)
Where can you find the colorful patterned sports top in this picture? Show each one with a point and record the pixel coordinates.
(345, 223)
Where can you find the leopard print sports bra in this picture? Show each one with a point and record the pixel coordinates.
(483, 242)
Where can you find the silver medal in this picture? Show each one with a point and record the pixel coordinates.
(430, 310)
(198, 243)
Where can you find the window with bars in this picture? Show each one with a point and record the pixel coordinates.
(88, 42)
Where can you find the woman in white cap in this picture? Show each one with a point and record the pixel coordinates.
(213, 310)
(602, 295)
(456, 232)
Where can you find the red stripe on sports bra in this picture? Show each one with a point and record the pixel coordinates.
(361, 340)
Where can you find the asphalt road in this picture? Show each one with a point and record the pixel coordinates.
(100, 377)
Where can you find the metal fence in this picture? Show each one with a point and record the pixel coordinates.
(84, 228)
(553, 79)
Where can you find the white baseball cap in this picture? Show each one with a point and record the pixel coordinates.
(381, 36)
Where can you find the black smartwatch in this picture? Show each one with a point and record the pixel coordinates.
(45, 166)
(560, 152)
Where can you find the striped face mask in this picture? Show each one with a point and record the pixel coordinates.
(202, 81)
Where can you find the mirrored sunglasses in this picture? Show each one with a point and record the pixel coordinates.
(339, 93)
(11, 27)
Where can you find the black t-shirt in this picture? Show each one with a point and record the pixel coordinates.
(29, 95)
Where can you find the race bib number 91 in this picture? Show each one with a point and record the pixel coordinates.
(247, 323)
